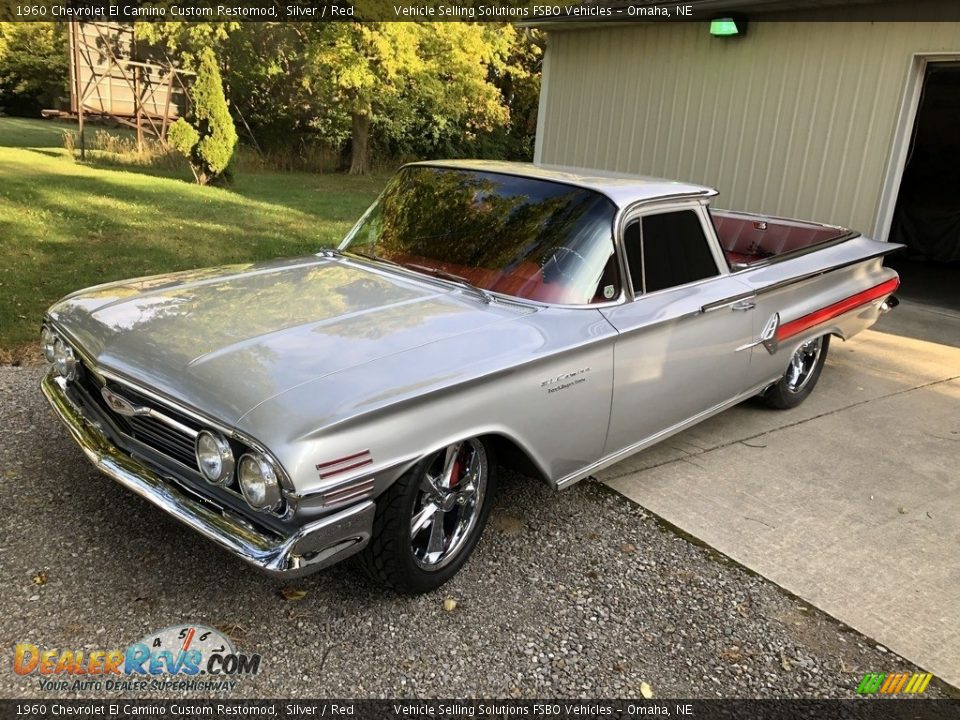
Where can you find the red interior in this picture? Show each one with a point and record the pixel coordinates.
(525, 280)
(747, 240)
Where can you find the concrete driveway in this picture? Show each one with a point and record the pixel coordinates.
(851, 501)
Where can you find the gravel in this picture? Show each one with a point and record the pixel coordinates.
(573, 594)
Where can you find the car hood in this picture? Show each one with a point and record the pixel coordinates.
(223, 340)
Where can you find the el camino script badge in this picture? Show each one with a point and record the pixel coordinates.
(565, 380)
(122, 406)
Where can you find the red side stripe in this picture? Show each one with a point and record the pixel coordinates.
(795, 327)
(321, 466)
(330, 473)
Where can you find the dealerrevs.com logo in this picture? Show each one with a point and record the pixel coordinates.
(180, 657)
(894, 683)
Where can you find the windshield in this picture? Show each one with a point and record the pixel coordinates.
(518, 236)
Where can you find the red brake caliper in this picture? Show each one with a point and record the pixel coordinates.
(455, 473)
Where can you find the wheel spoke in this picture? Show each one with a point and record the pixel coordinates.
(448, 463)
(423, 518)
(431, 485)
(466, 493)
(435, 544)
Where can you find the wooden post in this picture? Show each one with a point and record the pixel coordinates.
(77, 88)
(166, 107)
(138, 108)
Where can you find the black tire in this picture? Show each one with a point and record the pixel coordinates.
(781, 396)
(389, 557)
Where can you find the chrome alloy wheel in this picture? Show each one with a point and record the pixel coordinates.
(802, 364)
(448, 504)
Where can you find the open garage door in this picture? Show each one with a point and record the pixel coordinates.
(927, 215)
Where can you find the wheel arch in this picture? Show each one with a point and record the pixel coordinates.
(513, 456)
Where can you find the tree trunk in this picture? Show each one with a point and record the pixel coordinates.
(360, 145)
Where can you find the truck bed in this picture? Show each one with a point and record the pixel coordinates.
(748, 239)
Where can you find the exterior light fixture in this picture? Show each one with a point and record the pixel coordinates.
(729, 26)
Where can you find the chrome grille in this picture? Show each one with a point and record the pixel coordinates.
(164, 438)
(154, 433)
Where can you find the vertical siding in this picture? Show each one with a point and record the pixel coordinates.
(796, 118)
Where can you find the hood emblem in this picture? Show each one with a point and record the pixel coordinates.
(121, 406)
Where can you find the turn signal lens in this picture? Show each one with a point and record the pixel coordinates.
(258, 483)
(64, 361)
(47, 340)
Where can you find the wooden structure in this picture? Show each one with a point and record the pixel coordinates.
(108, 79)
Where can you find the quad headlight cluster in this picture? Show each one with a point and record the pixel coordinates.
(59, 353)
(255, 473)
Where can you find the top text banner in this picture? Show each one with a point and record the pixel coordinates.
(431, 11)
(343, 10)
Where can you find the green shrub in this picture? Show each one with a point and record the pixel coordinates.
(183, 137)
(210, 137)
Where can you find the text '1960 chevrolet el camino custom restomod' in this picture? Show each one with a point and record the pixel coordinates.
(479, 314)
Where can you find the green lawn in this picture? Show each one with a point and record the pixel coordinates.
(65, 225)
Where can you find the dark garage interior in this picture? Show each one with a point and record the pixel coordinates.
(927, 215)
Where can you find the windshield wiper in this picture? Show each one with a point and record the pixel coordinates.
(452, 277)
(374, 257)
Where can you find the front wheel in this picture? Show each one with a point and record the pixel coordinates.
(801, 376)
(429, 521)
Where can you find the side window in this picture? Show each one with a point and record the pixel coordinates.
(675, 250)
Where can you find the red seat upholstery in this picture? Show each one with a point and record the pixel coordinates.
(747, 240)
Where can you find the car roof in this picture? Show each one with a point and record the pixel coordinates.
(622, 188)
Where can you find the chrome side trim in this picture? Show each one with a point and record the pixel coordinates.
(310, 548)
(626, 452)
(816, 273)
(729, 302)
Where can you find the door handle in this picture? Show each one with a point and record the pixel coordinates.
(744, 299)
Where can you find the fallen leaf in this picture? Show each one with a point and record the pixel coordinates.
(449, 605)
(785, 663)
(40, 578)
(508, 525)
(592, 574)
(646, 690)
(234, 631)
(628, 548)
(292, 594)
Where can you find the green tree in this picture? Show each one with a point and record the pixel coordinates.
(209, 139)
(33, 66)
(421, 89)
(391, 75)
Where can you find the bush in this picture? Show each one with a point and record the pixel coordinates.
(210, 138)
(183, 137)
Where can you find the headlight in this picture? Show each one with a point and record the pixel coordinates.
(47, 340)
(258, 483)
(63, 360)
(214, 458)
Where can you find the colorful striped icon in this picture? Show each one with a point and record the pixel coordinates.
(893, 683)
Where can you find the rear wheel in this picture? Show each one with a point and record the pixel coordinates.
(801, 375)
(429, 521)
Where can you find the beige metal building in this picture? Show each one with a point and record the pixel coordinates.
(801, 116)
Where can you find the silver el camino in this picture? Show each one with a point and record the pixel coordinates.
(480, 314)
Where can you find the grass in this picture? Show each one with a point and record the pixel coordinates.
(66, 225)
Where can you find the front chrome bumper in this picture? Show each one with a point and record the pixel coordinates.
(312, 547)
